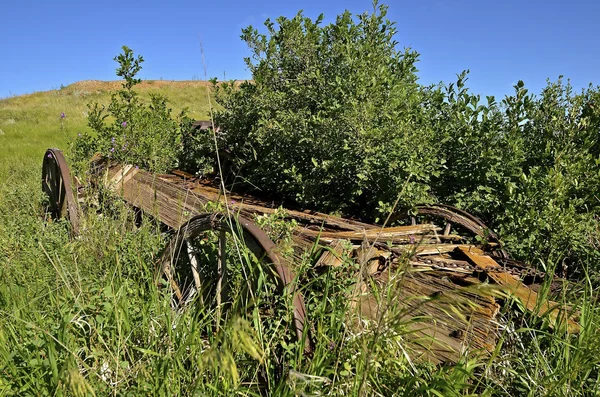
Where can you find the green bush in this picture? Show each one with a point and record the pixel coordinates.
(131, 131)
(334, 117)
(529, 166)
(335, 120)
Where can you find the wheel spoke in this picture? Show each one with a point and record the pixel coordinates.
(447, 228)
(216, 283)
(221, 273)
(195, 271)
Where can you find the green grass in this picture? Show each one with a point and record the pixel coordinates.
(30, 124)
(84, 317)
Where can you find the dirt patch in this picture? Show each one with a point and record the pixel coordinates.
(87, 87)
(97, 85)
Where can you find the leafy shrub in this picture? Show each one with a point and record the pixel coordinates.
(131, 131)
(528, 165)
(198, 151)
(333, 118)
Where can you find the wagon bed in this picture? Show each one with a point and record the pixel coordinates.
(440, 276)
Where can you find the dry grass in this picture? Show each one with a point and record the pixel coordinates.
(102, 86)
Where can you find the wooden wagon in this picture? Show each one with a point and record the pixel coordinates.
(446, 267)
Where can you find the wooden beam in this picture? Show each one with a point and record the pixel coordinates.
(516, 289)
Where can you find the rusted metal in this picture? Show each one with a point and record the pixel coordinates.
(258, 243)
(56, 183)
(463, 219)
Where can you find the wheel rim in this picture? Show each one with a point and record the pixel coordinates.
(255, 240)
(456, 217)
(56, 183)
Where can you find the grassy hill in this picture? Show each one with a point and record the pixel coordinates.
(29, 124)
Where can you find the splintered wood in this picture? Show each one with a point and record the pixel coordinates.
(557, 315)
(438, 286)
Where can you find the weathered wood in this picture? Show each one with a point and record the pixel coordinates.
(371, 259)
(382, 234)
(447, 311)
(515, 288)
(395, 235)
(333, 255)
(441, 267)
(427, 249)
(443, 321)
(174, 201)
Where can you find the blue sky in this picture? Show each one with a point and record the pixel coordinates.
(48, 43)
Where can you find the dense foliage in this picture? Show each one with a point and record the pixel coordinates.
(335, 119)
(529, 165)
(130, 130)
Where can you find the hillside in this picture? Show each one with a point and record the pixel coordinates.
(29, 124)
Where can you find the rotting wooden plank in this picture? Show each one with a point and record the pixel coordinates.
(443, 321)
(456, 314)
(176, 190)
(426, 240)
(516, 289)
(119, 178)
(333, 254)
(366, 252)
(371, 259)
(253, 205)
(383, 234)
(172, 207)
(427, 249)
(417, 234)
(451, 262)
(440, 266)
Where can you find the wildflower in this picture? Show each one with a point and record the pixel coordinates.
(124, 124)
(79, 134)
(112, 140)
(63, 115)
(112, 149)
(137, 168)
(412, 239)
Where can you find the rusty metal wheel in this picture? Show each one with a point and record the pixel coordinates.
(195, 274)
(56, 183)
(462, 220)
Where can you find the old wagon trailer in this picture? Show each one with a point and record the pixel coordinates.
(454, 283)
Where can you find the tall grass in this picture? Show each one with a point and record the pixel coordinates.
(84, 316)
